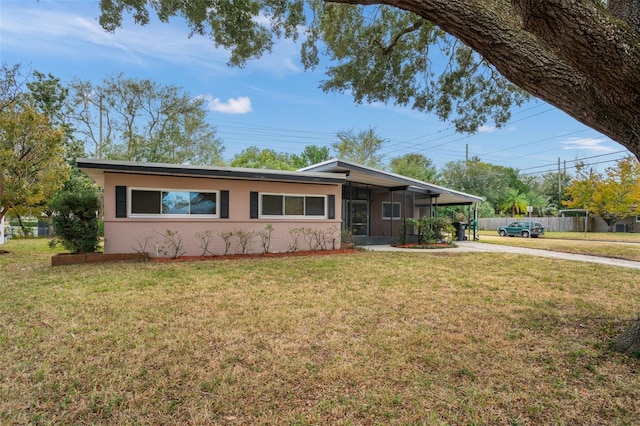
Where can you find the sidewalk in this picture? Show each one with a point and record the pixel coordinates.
(475, 246)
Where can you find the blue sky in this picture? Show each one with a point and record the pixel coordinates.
(272, 102)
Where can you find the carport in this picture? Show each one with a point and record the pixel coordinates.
(375, 202)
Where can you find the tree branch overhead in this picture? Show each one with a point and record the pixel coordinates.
(582, 56)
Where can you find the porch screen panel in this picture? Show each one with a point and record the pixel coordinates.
(390, 210)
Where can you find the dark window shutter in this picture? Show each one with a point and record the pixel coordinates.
(332, 206)
(224, 204)
(121, 201)
(253, 209)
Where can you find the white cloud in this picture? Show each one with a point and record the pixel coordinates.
(239, 105)
(486, 129)
(587, 144)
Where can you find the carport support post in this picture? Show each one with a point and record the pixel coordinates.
(391, 221)
(349, 212)
(403, 217)
(475, 221)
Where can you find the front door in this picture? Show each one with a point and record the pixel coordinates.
(359, 218)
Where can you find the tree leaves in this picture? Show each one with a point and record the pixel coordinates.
(361, 148)
(613, 195)
(377, 53)
(415, 166)
(140, 120)
(32, 166)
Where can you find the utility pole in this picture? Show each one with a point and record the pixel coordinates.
(559, 184)
(100, 136)
(466, 152)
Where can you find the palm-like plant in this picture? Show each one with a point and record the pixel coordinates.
(513, 200)
(537, 201)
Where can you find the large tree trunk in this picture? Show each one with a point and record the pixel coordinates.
(573, 54)
(629, 342)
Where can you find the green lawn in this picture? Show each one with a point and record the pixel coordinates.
(613, 245)
(596, 236)
(366, 338)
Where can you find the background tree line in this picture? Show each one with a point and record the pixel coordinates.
(44, 123)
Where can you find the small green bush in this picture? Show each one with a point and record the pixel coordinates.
(75, 220)
(430, 229)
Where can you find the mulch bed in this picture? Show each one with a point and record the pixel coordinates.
(60, 259)
(425, 246)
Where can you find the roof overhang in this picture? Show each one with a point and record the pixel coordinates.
(96, 170)
(371, 177)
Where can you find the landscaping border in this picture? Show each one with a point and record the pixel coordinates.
(59, 259)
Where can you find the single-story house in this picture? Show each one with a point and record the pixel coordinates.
(170, 209)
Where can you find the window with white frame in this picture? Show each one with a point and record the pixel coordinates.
(637, 218)
(174, 202)
(390, 210)
(293, 205)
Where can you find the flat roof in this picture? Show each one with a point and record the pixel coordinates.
(370, 176)
(96, 169)
(334, 171)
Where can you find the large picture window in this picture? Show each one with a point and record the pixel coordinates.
(293, 205)
(391, 210)
(174, 202)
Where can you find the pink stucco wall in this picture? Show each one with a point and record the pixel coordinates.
(126, 235)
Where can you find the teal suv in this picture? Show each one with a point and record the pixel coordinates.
(523, 229)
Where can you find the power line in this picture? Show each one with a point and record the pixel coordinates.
(571, 167)
(576, 160)
(288, 138)
(453, 132)
(537, 141)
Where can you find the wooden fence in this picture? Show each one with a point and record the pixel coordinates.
(551, 224)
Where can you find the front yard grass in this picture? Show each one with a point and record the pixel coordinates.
(618, 246)
(368, 338)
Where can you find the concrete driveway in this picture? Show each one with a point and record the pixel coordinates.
(475, 246)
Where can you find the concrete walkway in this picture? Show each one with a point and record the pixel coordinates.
(474, 246)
